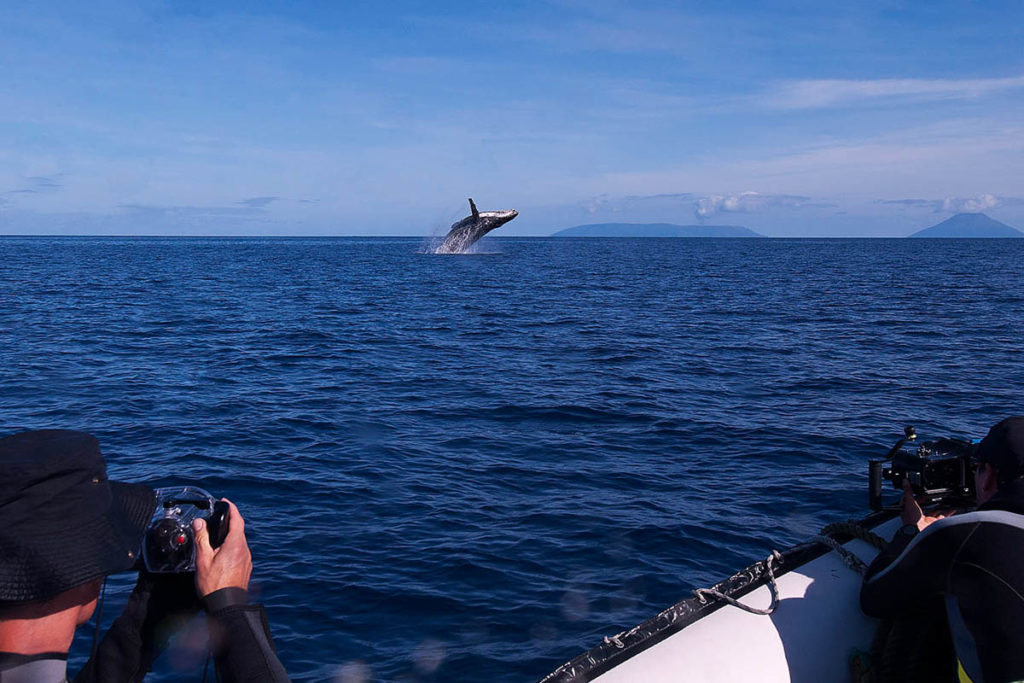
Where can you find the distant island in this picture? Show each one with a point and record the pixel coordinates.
(655, 230)
(965, 225)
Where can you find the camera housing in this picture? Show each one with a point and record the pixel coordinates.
(938, 471)
(169, 546)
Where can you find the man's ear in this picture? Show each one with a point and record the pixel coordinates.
(988, 482)
(86, 596)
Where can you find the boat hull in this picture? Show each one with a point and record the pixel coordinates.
(810, 637)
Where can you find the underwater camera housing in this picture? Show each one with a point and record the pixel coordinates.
(170, 544)
(939, 471)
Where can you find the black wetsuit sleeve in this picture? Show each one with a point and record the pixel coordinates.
(242, 647)
(910, 570)
(156, 609)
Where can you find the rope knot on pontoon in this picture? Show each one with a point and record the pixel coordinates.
(774, 559)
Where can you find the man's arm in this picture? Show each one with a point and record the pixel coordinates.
(239, 634)
(157, 607)
(901, 589)
(242, 647)
(914, 567)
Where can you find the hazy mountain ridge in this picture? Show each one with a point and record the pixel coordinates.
(655, 230)
(967, 225)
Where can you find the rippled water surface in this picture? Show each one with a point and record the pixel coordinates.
(474, 467)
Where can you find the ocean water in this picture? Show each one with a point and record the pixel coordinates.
(471, 468)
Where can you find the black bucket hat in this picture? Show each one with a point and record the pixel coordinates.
(1003, 448)
(62, 523)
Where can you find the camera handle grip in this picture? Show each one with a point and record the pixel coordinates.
(875, 484)
(218, 523)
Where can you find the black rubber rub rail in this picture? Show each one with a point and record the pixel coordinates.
(617, 649)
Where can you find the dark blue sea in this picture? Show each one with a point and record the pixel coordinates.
(471, 468)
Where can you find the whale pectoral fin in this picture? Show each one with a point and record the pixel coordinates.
(472, 208)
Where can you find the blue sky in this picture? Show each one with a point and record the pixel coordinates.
(791, 118)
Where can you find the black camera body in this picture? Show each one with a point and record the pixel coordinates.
(939, 471)
(169, 546)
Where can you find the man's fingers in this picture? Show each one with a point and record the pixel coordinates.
(236, 525)
(908, 495)
(228, 566)
(202, 534)
(912, 513)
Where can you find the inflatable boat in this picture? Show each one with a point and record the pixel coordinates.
(793, 617)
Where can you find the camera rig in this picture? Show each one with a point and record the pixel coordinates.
(169, 545)
(939, 471)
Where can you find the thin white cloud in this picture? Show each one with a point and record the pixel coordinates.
(977, 204)
(969, 205)
(958, 158)
(744, 202)
(147, 211)
(39, 184)
(681, 196)
(635, 204)
(602, 202)
(259, 202)
(586, 27)
(677, 204)
(811, 94)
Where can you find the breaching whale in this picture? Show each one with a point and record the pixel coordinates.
(473, 227)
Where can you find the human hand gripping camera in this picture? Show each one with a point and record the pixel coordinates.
(64, 527)
(224, 563)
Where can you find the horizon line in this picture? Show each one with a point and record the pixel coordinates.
(754, 238)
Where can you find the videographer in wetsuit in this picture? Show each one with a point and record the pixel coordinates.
(974, 562)
(64, 527)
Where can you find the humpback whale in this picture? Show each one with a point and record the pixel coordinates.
(473, 227)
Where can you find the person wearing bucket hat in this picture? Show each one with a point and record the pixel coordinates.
(64, 527)
(973, 562)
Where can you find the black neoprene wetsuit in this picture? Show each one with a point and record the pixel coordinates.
(243, 650)
(239, 634)
(975, 561)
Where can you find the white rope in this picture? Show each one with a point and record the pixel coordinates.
(703, 593)
(849, 559)
(614, 640)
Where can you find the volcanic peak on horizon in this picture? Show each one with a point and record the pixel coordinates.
(969, 225)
